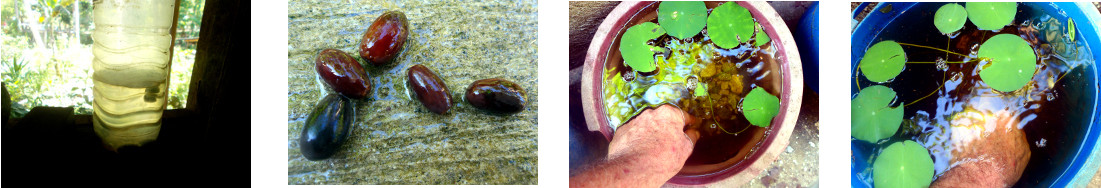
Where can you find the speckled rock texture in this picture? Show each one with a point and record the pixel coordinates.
(395, 140)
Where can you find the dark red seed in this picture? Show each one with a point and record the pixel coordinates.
(428, 89)
(343, 74)
(384, 39)
(496, 95)
(327, 127)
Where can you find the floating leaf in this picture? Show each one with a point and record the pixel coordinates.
(1070, 29)
(636, 53)
(991, 15)
(903, 164)
(762, 36)
(701, 90)
(759, 107)
(729, 25)
(1012, 62)
(883, 61)
(682, 19)
(872, 119)
(950, 18)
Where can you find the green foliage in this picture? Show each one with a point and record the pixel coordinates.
(903, 164)
(759, 107)
(190, 18)
(701, 90)
(179, 84)
(1012, 62)
(729, 25)
(11, 11)
(52, 67)
(883, 61)
(872, 118)
(636, 53)
(991, 15)
(950, 18)
(762, 37)
(682, 19)
(1070, 29)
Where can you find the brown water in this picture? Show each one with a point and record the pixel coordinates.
(729, 74)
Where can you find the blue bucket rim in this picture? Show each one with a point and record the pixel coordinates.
(1087, 160)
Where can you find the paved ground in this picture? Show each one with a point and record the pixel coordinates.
(395, 140)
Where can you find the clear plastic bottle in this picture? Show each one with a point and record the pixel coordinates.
(133, 50)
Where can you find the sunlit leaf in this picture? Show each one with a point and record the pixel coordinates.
(682, 19)
(950, 18)
(759, 107)
(729, 25)
(883, 61)
(701, 90)
(1012, 62)
(1070, 29)
(762, 36)
(903, 164)
(636, 53)
(991, 15)
(872, 118)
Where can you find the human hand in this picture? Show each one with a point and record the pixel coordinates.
(655, 137)
(994, 154)
(645, 152)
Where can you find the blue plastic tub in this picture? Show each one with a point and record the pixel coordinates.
(1081, 164)
(807, 40)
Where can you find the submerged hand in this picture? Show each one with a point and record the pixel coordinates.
(995, 158)
(645, 152)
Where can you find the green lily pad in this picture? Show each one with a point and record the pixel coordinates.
(991, 15)
(883, 61)
(1012, 62)
(903, 164)
(759, 107)
(872, 119)
(701, 90)
(682, 19)
(636, 53)
(950, 18)
(729, 25)
(762, 36)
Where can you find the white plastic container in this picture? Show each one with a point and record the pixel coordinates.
(133, 51)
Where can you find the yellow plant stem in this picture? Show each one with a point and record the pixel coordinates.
(857, 77)
(942, 79)
(927, 47)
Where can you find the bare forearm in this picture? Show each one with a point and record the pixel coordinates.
(622, 172)
(976, 174)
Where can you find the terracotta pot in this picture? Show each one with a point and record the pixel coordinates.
(732, 171)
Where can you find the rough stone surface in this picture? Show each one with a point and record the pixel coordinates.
(397, 141)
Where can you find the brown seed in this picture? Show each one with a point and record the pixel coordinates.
(428, 89)
(496, 95)
(384, 39)
(342, 73)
